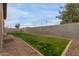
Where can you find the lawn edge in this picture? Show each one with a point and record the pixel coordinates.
(66, 49)
(30, 46)
(67, 38)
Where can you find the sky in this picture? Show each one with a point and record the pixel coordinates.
(32, 14)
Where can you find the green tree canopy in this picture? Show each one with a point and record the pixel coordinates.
(69, 13)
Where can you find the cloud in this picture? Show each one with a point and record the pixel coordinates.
(26, 25)
(16, 12)
(30, 15)
(14, 16)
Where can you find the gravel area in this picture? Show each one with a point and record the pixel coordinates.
(16, 47)
(74, 48)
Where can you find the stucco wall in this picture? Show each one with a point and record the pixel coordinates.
(1, 25)
(1, 18)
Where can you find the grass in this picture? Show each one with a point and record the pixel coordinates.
(48, 46)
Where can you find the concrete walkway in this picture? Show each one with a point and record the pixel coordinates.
(17, 47)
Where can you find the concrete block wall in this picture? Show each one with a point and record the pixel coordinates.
(66, 30)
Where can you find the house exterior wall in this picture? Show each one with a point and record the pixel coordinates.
(1, 17)
(1, 24)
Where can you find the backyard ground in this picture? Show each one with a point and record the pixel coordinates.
(67, 30)
(14, 46)
(48, 46)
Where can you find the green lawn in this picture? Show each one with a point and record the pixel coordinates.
(48, 46)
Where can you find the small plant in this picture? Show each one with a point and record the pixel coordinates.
(17, 26)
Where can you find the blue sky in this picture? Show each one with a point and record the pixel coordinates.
(32, 15)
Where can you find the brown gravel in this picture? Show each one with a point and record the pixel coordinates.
(74, 48)
(17, 47)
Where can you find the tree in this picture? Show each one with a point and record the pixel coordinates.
(17, 26)
(69, 13)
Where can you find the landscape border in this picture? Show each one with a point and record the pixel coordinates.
(66, 49)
